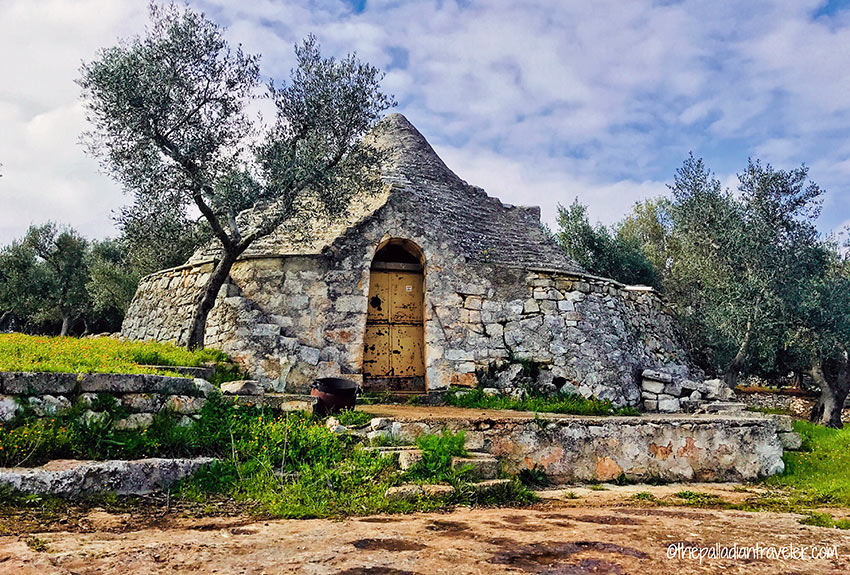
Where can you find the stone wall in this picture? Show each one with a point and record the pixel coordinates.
(290, 319)
(141, 395)
(669, 448)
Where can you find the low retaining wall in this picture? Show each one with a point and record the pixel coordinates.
(72, 478)
(141, 395)
(668, 448)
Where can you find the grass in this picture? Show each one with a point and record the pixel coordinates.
(437, 453)
(38, 545)
(275, 465)
(825, 520)
(567, 404)
(701, 499)
(644, 497)
(353, 418)
(20, 352)
(821, 472)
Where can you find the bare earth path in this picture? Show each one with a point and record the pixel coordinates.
(601, 532)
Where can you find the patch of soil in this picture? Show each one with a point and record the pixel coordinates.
(551, 558)
(388, 545)
(374, 571)
(466, 541)
(448, 526)
(376, 519)
(606, 519)
(663, 513)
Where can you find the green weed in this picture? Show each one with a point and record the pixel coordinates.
(567, 404)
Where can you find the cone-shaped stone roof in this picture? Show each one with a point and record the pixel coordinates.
(479, 226)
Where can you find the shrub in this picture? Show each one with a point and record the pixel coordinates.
(437, 453)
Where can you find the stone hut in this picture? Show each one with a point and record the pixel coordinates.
(428, 284)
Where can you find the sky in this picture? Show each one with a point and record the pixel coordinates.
(538, 102)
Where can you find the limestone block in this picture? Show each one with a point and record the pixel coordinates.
(416, 491)
(791, 441)
(184, 404)
(667, 404)
(46, 405)
(245, 387)
(8, 408)
(205, 388)
(530, 306)
(473, 302)
(141, 402)
(656, 375)
(78, 478)
(351, 304)
(490, 391)
(566, 305)
(652, 386)
(673, 388)
(650, 405)
(135, 421)
(36, 383)
(459, 355)
(309, 355)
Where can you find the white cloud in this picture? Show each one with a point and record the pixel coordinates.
(538, 102)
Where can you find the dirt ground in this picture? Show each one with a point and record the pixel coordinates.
(574, 531)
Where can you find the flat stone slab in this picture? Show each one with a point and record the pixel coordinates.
(189, 371)
(278, 401)
(75, 478)
(481, 465)
(414, 491)
(37, 383)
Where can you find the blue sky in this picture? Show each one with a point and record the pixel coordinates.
(537, 102)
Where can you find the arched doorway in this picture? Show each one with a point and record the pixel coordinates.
(393, 351)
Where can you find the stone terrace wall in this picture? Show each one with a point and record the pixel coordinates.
(141, 395)
(669, 448)
(289, 320)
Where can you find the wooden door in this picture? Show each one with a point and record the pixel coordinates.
(393, 346)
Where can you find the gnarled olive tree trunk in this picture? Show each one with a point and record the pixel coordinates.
(834, 391)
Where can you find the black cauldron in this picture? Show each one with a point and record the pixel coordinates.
(334, 394)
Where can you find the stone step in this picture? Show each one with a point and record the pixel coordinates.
(277, 401)
(75, 478)
(723, 407)
(483, 465)
(416, 491)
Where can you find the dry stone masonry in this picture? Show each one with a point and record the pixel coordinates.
(498, 291)
(141, 395)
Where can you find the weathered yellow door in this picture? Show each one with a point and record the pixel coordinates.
(394, 334)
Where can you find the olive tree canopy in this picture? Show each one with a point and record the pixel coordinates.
(170, 121)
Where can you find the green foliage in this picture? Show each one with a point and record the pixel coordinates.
(568, 404)
(20, 352)
(825, 520)
(644, 497)
(38, 544)
(54, 281)
(284, 465)
(437, 453)
(353, 417)
(534, 477)
(822, 473)
(701, 499)
(601, 251)
(111, 282)
(170, 121)
(740, 263)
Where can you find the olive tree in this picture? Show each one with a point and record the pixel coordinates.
(169, 118)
